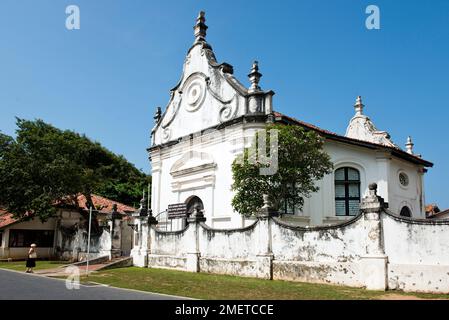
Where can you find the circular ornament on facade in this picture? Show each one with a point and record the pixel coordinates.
(195, 95)
(225, 113)
(403, 179)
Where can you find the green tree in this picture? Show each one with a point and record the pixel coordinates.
(301, 162)
(44, 164)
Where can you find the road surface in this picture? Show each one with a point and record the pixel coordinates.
(22, 286)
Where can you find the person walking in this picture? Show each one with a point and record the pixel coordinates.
(31, 261)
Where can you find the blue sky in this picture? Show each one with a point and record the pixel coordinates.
(106, 78)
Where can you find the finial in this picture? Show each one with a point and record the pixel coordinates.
(157, 114)
(143, 201)
(409, 145)
(200, 28)
(254, 77)
(359, 106)
(143, 210)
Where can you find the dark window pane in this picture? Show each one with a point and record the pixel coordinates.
(340, 191)
(24, 238)
(340, 174)
(353, 174)
(354, 190)
(285, 208)
(354, 207)
(340, 207)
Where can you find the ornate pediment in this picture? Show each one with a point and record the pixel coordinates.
(192, 162)
(207, 95)
(362, 128)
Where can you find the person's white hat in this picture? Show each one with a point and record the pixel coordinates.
(33, 245)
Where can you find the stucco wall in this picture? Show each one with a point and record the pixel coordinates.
(228, 244)
(205, 174)
(210, 178)
(172, 243)
(318, 244)
(74, 247)
(384, 252)
(411, 195)
(418, 254)
(373, 167)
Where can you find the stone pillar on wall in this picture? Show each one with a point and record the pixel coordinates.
(143, 220)
(374, 263)
(193, 249)
(265, 254)
(116, 233)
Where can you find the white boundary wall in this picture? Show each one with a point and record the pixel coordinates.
(375, 250)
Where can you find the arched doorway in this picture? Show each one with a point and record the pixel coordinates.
(193, 202)
(406, 212)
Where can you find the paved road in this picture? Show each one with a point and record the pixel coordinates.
(22, 286)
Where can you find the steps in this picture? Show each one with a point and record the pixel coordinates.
(94, 265)
(119, 262)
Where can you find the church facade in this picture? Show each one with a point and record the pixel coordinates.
(211, 117)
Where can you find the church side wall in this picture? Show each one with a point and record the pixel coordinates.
(410, 195)
(209, 177)
(320, 207)
(373, 167)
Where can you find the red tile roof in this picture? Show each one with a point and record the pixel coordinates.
(102, 204)
(334, 136)
(438, 214)
(6, 218)
(432, 209)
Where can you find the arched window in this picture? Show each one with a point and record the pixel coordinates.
(347, 192)
(406, 212)
(192, 203)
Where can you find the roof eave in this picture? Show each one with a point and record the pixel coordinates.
(373, 146)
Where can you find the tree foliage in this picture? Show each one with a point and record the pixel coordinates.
(44, 164)
(301, 162)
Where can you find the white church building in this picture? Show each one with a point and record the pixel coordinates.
(211, 116)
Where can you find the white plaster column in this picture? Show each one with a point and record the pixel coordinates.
(373, 269)
(145, 242)
(265, 253)
(193, 247)
(144, 220)
(138, 252)
(136, 229)
(156, 173)
(383, 173)
(422, 194)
